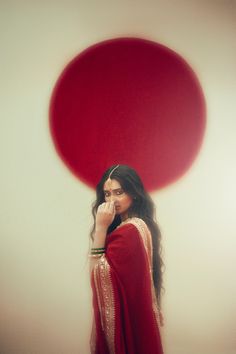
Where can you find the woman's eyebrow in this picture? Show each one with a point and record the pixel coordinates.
(114, 190)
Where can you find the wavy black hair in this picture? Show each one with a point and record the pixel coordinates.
(142, 207)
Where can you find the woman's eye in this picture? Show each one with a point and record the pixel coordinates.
(119, 192)
(107, 194)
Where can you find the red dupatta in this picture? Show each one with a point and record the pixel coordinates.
(126, 318)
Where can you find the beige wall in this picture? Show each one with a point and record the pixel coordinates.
(45, 299)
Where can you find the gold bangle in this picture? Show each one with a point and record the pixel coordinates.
(98, 255)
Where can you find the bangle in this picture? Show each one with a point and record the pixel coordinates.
(95, 255)
(97, 252)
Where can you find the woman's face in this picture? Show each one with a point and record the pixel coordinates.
(114, 192)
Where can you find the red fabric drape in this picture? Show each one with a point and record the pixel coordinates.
(125, 309)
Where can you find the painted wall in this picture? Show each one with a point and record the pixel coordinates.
(45, 298)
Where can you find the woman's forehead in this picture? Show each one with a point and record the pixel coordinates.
(111, 184)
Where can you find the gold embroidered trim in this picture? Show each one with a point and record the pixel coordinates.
(147, 241)
(96, 281)
(93, 338)
(105, 295)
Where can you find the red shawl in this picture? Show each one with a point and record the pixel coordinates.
(126, 319)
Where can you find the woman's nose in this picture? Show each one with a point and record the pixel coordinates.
(112, 198)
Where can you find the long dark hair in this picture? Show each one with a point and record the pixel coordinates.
(142, 207)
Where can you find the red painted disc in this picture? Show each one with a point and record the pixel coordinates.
(128, 101)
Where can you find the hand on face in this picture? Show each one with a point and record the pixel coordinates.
(113, 192)
(105, 215)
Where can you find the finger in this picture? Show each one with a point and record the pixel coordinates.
(101, 207)
(111, 207)
(107, 206)
(111, 204)
(104, 206)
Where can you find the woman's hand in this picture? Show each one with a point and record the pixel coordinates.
(105, 215)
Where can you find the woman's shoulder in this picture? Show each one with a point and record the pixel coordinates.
(137, 224)
(135, 221)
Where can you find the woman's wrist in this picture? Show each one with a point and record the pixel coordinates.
(101, 228)
(99, 237)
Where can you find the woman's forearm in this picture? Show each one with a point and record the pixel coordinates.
(99, 237)
(99, 242)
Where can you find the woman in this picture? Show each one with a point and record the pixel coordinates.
(126, 274)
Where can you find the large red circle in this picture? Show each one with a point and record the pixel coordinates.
(128, 101)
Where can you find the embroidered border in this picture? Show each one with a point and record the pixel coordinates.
(105, 297)
(93, 338)
(147, 241)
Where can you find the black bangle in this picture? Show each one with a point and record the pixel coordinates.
(98, 252)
